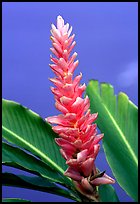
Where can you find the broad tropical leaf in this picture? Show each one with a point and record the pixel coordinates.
(107, 194)
(15, 157)
(117, 119)
(14, 200)
(36, 183)
(28, 130)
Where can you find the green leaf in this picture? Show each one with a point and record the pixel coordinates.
(15, 157)
(28, 130)
(117, 119)
(107, 194)
(14, 200)
(36, 183)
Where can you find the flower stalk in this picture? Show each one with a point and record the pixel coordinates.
(75, 125)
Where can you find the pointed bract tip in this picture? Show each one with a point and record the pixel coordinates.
(59, 17)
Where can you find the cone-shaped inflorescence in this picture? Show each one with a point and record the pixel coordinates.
(78, 140)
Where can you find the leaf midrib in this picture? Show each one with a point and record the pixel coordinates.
(12, 163)
(34, 149)
(122, 135)
(120, 131)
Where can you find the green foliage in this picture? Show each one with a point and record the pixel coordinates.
(14, 200)
(118, 120)
(15, 157)
(35, 183)
(108, 194)
(34, 149)
(28, 130)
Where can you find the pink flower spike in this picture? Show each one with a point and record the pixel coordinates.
(61, 108)
(62, 63)
(56, 92)
(75, 125)
(77, 104)
(105, 179)
(70, 30)
(71, 39)
(72, 173)
(66, 101)
(65, 28)
(72, 162)
(81, 156)
(55, 32)
(87, 166)
(78, 143)
(77, 80)
(72, 58)
(66, 156)
(86, 185)
(54, 52)
(61, 141)
(56, 82)
(98, 138)
(60, 22)
(57, 48)
(72, 46)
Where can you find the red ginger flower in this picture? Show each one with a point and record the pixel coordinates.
(78, 136)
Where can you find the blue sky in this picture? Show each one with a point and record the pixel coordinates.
(107, 47)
